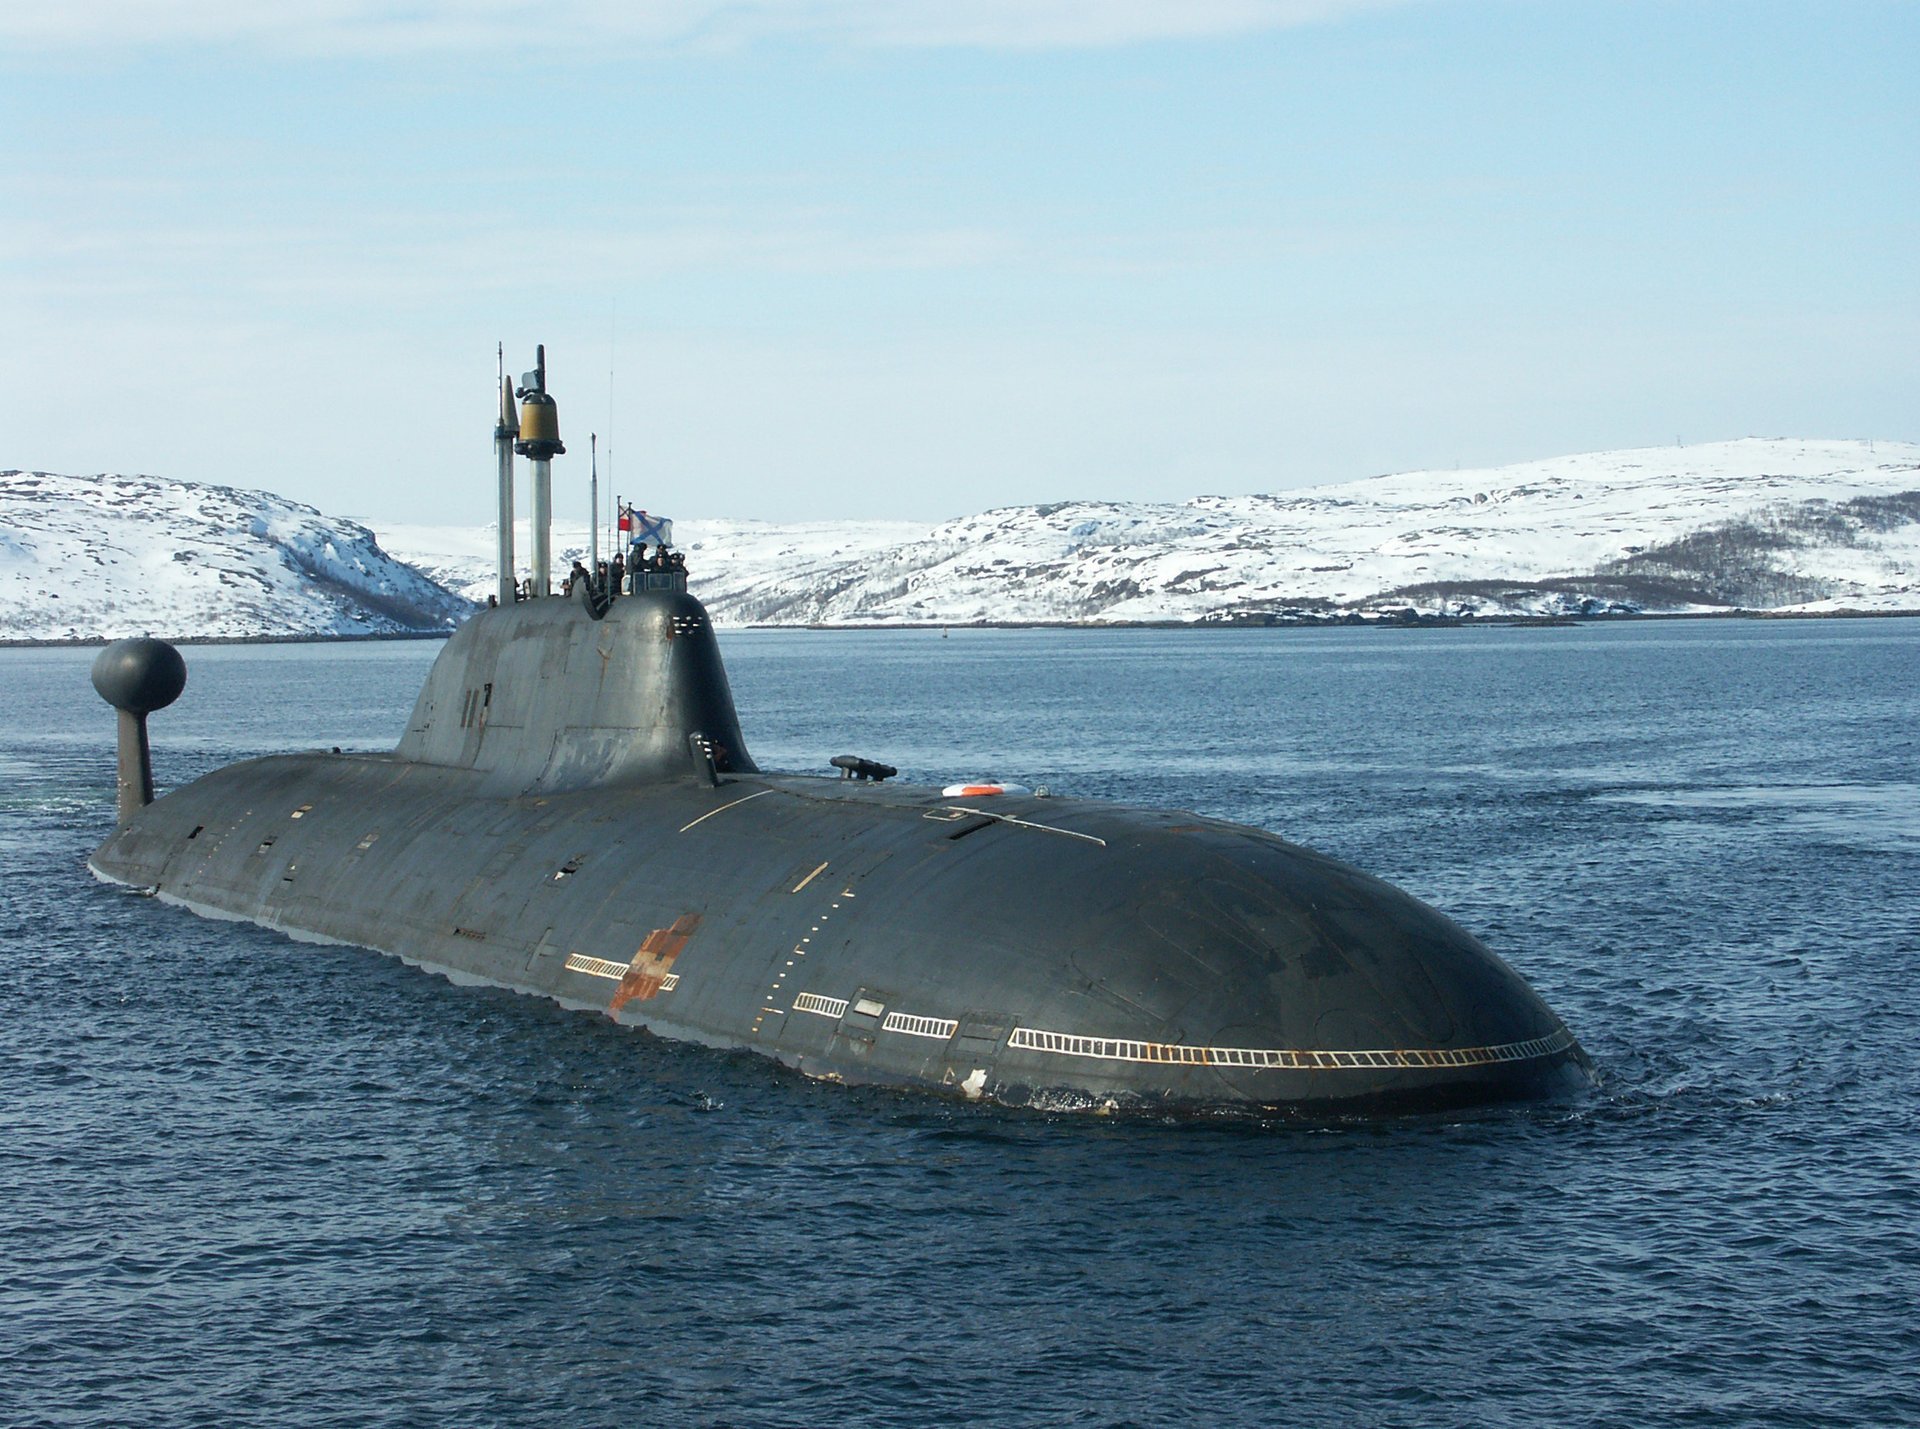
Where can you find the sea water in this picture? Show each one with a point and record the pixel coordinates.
(249, 1181)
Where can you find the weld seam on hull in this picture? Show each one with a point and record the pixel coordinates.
(724, 807)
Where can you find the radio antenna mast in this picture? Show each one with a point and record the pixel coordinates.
(613, 323)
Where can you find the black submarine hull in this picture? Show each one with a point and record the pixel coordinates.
(1031, 951)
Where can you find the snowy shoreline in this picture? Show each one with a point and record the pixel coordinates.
(1771, 526)
(1524, 622)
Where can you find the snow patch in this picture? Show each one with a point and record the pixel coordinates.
(98, 557)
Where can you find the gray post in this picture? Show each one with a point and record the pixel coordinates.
(540, 443)
(135, 767)
(542, 527)
(504, 432)
(137, 677)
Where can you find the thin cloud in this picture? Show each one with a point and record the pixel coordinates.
(591, 27)
(414, 259)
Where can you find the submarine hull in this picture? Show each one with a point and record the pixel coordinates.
(572, 812)
(1046, 952)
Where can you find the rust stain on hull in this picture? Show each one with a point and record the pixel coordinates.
(653, 962)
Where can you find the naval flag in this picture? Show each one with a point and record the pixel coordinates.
(655, 529)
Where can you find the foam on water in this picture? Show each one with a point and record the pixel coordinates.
(1877, 816)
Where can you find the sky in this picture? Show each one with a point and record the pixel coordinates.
(918, 258)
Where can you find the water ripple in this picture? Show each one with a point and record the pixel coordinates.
(370, 1197)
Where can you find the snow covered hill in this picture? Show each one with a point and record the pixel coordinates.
(1751, 524)
(98, 557)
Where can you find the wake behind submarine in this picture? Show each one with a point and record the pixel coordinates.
(572, 812)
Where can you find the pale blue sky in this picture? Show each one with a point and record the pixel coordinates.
(908, 258)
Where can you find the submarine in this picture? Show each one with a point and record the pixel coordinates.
(572, 812)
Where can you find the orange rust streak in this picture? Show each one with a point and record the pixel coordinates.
(653, 962)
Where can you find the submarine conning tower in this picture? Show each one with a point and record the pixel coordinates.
(543, 696)
(603, 688)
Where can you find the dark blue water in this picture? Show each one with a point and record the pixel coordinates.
(248, 1181)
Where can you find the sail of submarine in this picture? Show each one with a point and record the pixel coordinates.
(572, 812)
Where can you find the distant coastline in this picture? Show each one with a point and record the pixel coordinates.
(309, 638)
(1425, 622)
(1754, 526)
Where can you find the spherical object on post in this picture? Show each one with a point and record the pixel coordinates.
(139, 676)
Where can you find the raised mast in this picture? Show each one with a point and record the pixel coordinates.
(540, 443)
(505, 428)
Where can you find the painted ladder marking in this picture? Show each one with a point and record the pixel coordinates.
(596, 967)
(1113, 1049)
(724, 807)
(914, 1026)
(808, 879)
(822, 1006)
(617, 972)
